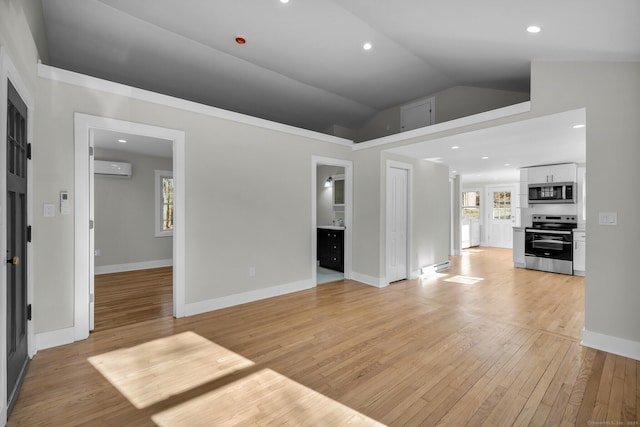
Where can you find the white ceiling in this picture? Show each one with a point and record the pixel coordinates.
(303, 63)
(540, 141)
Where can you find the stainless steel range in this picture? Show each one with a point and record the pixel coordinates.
(549, 243)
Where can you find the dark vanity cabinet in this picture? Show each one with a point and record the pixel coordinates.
(330, 248)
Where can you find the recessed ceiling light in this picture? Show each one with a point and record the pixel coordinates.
(367, 46)
(122, 141)
(484, 158)
(578, 126)
(435, 159)
(284, 1)
(455, 147)
(533, 29)
(507, 164)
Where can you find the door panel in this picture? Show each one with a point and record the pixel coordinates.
(17, 303)
(416, 115)
(397, 222)
(500, 217)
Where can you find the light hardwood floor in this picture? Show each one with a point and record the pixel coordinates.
(132, 297)
(483, 344)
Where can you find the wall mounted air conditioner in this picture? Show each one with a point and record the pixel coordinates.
(106, 167)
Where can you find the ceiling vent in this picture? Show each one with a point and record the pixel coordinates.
(106, 167)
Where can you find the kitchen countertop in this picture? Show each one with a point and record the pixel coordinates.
(332, 227)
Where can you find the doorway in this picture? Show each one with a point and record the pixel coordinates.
(132, 193)
(331, 207)
(330, 223)
(84, 250)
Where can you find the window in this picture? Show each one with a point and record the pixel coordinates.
(164, 203)
(470, 204)
(501, 205)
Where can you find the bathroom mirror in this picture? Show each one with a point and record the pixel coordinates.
(338, 192)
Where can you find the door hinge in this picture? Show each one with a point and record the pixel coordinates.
(29, 234)
(90, 224)
(29, 312)
(90, 151)
(29, 151)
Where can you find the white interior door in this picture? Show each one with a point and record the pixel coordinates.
(397, 223)
(416, 115)
(500, 216)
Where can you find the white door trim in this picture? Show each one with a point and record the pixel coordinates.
(8, 72)
(348, 212)
(83, 124)
(409, 168)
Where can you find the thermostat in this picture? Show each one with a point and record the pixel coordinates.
(65, 207)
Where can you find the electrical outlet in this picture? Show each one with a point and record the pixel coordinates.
(252, 271)
(608, 218)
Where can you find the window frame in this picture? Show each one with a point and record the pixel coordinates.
(159, 175)
(502, 207)
(478, 206)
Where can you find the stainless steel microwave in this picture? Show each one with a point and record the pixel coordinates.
(556, 192)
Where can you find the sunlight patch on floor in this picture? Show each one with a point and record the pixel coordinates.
(154, 371)
(431, 278)
(472, 251)
(464, 280)
(262, 398)
(178, 372)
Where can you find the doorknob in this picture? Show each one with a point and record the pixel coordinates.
(15, 260)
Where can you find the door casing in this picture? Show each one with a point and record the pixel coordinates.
(83, 125)
(348, 212)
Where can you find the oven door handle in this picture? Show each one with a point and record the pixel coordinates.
(539, 231)
(552, 241)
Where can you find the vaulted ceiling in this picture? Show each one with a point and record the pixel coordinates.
(303, 62)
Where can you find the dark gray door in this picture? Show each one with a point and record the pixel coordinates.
(17, 304)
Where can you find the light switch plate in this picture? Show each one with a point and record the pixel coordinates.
(608, 218)
(49, 210)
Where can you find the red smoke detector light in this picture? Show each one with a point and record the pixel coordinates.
(241, 40)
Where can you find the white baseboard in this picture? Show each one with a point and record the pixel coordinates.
(378, 282)
(245, 297)
(610, 344)
(119, 268)
(55, 338)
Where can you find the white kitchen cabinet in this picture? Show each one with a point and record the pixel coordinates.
(518, 247)
(552, 173)
(579, 253)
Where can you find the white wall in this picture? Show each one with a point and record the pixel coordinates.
(430, 240)
(125, 212)
(609, 91)
(247, 204)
